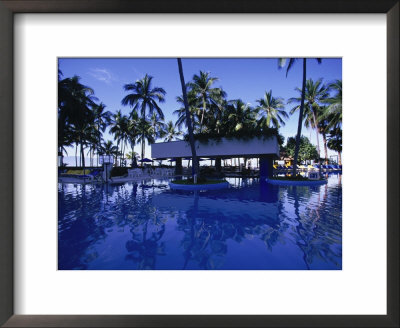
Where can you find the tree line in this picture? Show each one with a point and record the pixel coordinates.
(83, 120)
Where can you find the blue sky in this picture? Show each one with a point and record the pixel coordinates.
(244, 78)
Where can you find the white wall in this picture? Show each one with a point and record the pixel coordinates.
(225, 147)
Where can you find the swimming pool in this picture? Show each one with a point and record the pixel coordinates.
(250, 226)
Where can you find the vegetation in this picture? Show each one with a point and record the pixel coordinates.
(271, 111)
(315, 94)
(188, 119)
(282, 62)
(307, 151)
(144, 99)
(170, 132)
(204, 111)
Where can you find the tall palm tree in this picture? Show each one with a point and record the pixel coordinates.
(158, 125)
(315, 94)
(120, 128)
(145, 133)
(75, 101)
(240, 117)
(102, 120)
(65, 139)
(84, 132)
(133, 131)
(91, 140)
(271, 111)
(188, 119)
(334, 109)
(132, 155)
(170, 132)
(195, 113)
(323, 129)
(335, 142)
(108, 148)
(144, 99)
(202, 87)
(282, 62)
(218, 106)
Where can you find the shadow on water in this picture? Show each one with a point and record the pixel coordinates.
(252, 225)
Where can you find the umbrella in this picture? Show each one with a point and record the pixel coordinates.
(145, 160)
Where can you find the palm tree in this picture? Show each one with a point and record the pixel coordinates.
(282, 62)
(188, 119)
(91, 140)
(240, 116)
(170, 132)
(323, 128)
(144, 98)
(84, 130)
(315, 94)
(102, 120)
(201, 86)
(133, 130)
(271, 110)
(158, 125)
(119, 127)
(218, 106)
(65, 139)
(108, 148)
(75, 101)
(132, 155)
(334, 109)
(193, 103)
(145, 133)
(335, 142)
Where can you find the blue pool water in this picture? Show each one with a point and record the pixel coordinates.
(250, 226)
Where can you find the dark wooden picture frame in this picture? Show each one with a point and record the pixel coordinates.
(7, 10)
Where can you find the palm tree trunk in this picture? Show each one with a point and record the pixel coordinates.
(76, 154)
(325, 147)
(116, 155)
(133, 154)
(142, 149)
(188, 119)
(82, 155)
(316, 130)
(122, 150)
(99, 144)
(202, 114)
(300, 123)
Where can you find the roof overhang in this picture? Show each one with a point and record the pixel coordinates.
(223, 148)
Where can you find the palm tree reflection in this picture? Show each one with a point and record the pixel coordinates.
(318, 229)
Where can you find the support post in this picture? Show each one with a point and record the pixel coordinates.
(178, 166)
(266, 166)
(218, 164)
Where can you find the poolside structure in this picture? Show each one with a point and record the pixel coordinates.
(266, 149)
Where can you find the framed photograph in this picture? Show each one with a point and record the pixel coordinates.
(192, 174)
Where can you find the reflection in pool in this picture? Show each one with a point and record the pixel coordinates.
(250, 226)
